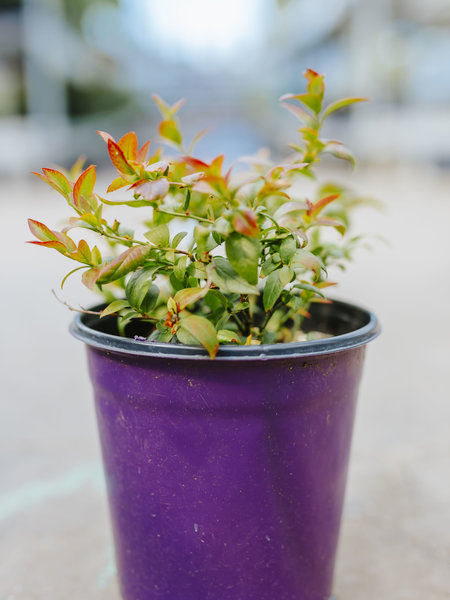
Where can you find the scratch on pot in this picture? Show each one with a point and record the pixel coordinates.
(35, 492)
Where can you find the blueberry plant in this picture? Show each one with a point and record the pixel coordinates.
(253, 255)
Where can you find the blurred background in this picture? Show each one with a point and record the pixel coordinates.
(70, 67)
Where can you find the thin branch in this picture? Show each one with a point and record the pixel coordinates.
(183, 215)
(78, 310)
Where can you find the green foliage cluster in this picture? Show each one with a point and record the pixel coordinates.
(252, 257)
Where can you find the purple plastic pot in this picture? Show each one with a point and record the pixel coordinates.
(226, 477)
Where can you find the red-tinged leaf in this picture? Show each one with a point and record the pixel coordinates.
(189, 296)
(195, 163)
(168, 130)
(41, 231)
(340, 227)
(43, 177)
(298, 112)
(118, 159)
(303, 258)
(105, 136)
(67, 242)
(51, 244)
(84, 187)
(215, 168)
(203, 331)
(315, 83)
(128, 261)
(340, 104)
(89, 278)
(325, 284)
(128, 144)
(142, 154)
(320, 204)
(58, 181)
(117, 184)
(245, 222)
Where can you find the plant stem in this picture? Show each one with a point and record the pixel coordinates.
(183, 215)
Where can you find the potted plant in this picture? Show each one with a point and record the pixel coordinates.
(225, 477)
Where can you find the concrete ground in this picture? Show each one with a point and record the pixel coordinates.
(55, 541)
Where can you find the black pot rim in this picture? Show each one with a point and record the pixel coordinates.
(369, 328)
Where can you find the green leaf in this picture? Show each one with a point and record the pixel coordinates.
(285, 274)
(201, 235)
(203, 331)
(243, 253)
(225, 336)
(225, 277)
(177, 239)
(272, 290)
(287, 249)
(268, 266)
(180, 268)
(139, 284)
(114, 307)
(160, 236)
(189, 296)
(340, 104)
(150, 299)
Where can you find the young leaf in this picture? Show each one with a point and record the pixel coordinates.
(84, 185)
(118, 159)
(169, 131)
(203, 331)
(128, 144)
(159, 236)
(41, 231)
(142, 153)
(57, 180)
(340, 104)
(243, 253)
(117, 184)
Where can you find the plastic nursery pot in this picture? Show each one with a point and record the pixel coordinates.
(226, 477)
